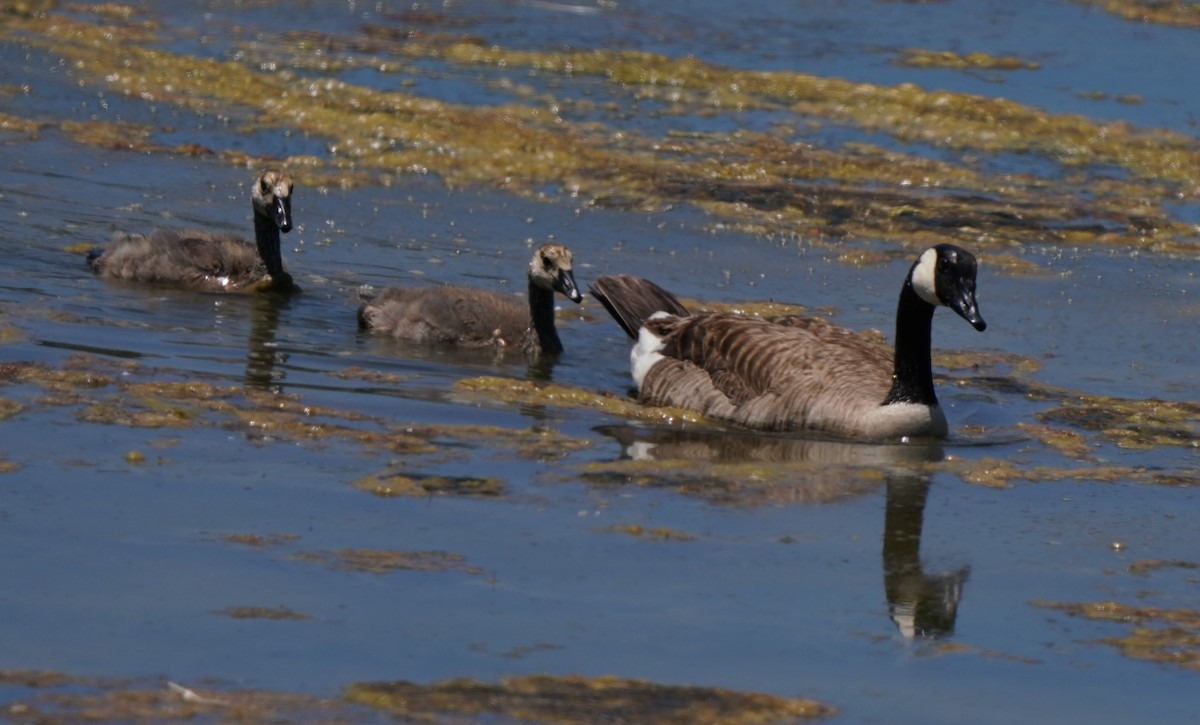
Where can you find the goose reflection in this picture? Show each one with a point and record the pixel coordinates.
(920, 604)
(264, 357)
(736, 446)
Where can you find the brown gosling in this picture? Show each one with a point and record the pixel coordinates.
(472, 317)
(210, 261)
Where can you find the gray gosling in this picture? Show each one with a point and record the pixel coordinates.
(210, 261)
(472, 317)
(795, 373)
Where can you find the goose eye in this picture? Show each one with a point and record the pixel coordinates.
(547, 262)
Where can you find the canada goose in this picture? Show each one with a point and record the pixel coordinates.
(207, 260)
(471, 317)
(796, 373)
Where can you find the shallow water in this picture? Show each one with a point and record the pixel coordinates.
(732, 560)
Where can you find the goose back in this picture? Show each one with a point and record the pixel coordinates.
(781, 374)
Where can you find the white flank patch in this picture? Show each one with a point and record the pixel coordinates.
(924, 279)
(904, 419)
(641, 451)
(645, 353)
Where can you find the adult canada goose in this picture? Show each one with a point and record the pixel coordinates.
(210, 261)
(471, 317)
(796, 373)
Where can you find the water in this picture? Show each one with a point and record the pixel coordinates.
(794, 578)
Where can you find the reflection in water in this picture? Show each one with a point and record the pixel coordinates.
(920, 604)
(262, 357)
(734, 446)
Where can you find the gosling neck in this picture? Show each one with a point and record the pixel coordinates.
(912, 372)
(541, 319)
(266, 235)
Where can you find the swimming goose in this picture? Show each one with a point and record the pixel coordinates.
(210, 261)
(796, 373)
(471, 317)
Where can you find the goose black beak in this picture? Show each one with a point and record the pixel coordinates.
(964, 304)
(282, 209)
(566, 285)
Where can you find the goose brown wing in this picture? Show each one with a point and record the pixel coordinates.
(778, 367)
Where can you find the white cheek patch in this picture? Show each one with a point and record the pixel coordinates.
(924, 277)
(645, 353)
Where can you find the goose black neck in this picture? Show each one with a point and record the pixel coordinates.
(912, 374)
(541, 318)
(266, 235)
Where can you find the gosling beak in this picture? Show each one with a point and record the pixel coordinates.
(566, 285)
(283, 213)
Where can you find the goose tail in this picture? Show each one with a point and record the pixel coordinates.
(631, 300)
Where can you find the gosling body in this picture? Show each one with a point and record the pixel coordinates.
(210, 261)
(479, 318)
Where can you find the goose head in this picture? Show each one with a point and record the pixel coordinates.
(550, 269)
(272, 197)
(945, 275)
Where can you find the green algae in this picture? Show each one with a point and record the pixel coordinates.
(1134, 424)
(1146, 566)
(260, 541)
(411, 485)
(1001, 473)
(758, 182)
(9, 409)
(252, 612)
(1165, 12)
(526, 392)
(376, 561)
(1157, 634)
(1069, 443)
(72, 700)
(563, 700)
(653, 533)
(923, 58)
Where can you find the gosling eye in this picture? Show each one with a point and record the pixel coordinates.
(547, 262)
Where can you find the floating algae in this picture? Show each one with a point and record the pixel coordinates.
(252, 612)
(376, 561)
(922, 58)
(759, 182)
(560, 700)
(1157, 634)
(563, 700)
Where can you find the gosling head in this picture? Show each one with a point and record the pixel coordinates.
(945, 275)
(272, 197)
(550, 269)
